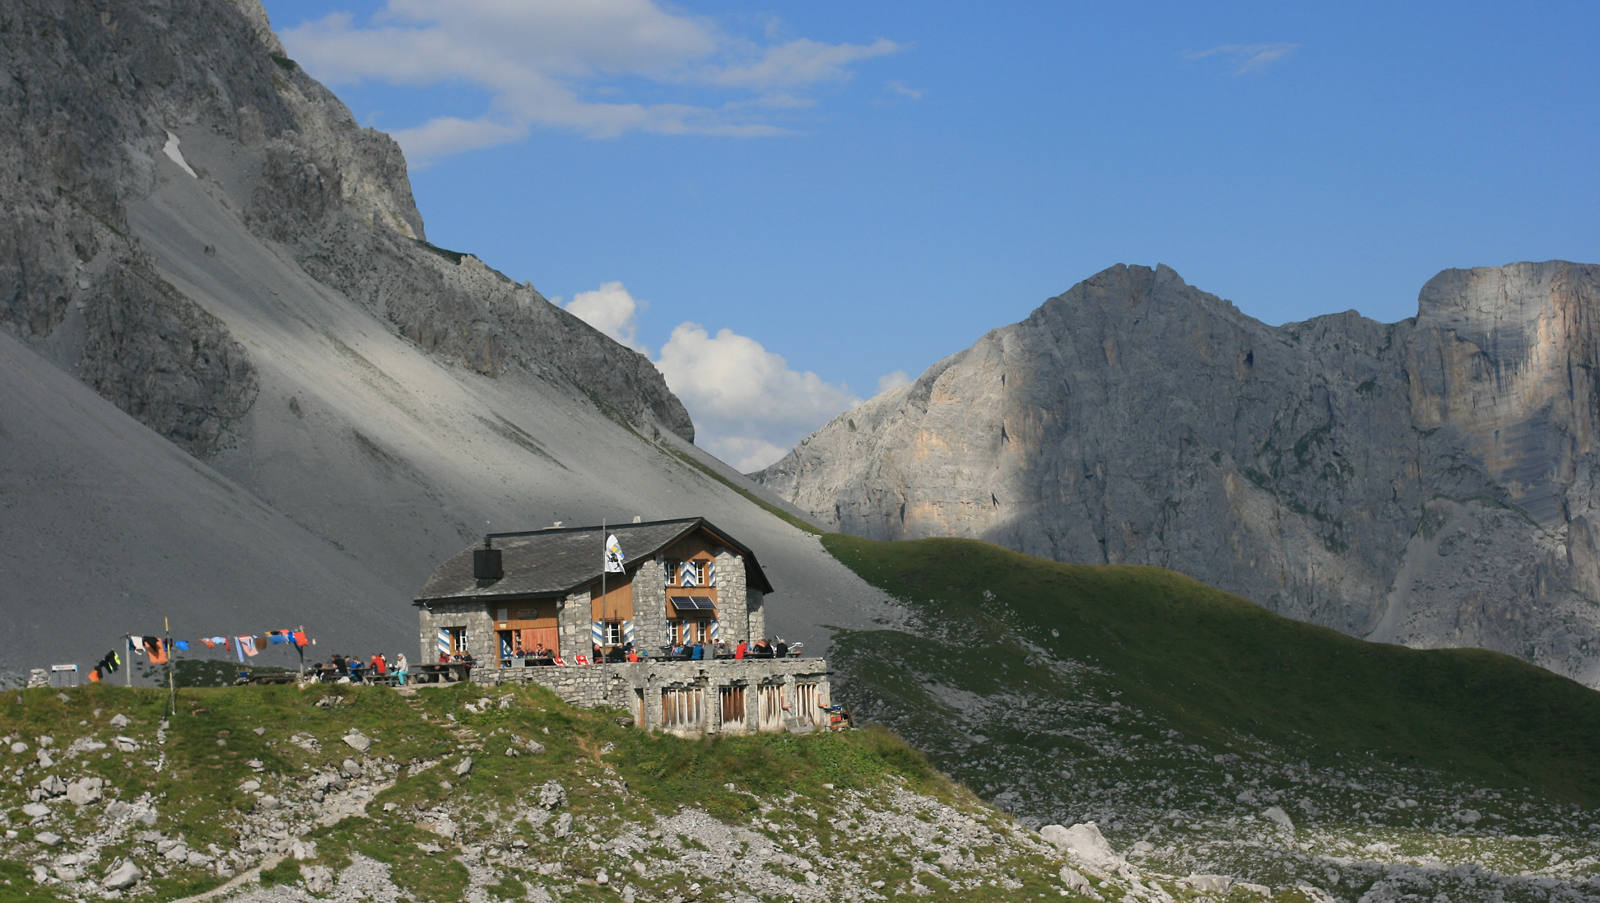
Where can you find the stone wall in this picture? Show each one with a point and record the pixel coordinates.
(650, 605)
(774, 695)
(474, 616)
(573, 625)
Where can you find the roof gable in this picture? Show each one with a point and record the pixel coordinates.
(556, 561)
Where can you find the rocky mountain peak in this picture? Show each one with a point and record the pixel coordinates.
(1429, 482)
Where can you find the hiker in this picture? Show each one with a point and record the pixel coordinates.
(401, 670)
(380, 668)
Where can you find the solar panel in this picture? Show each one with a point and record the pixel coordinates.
(693, 603)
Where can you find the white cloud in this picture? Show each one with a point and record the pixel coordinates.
(748, 406)
(893, 380)
(547, 63)
(904, 90)
(612, 310)
(1249, 57)
(802, 62)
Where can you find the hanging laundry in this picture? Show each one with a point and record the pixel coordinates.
(210, 642)
(247, 644)
(156, 649)
(94, 676)
(135, 644)
(300, 638)
(278, 638)
(181, 645)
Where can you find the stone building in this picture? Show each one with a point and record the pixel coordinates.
(680, 580)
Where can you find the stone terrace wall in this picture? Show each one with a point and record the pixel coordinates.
(775, 695)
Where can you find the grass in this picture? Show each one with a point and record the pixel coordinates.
(1221, 669)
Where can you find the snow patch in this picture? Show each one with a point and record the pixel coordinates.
(175, 155)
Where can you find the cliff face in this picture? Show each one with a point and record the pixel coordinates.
(99, 105)
(1428, 482)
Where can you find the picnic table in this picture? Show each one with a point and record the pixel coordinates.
(441, 672)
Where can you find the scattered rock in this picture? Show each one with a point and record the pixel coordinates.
(350, 767)
(318, 879)
(464, 766)
(358, 741)
(125, 744)
(564, 824)
(601, 878)
(250, 786)
(119, 721)
(48, 838)
(36, 810)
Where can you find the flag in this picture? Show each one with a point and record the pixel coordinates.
(614, 556)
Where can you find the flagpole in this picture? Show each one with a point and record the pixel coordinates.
(172, 674)
(128, 641)
(605, 566)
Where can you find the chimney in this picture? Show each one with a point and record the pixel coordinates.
(486, 562)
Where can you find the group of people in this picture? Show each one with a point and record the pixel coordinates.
(696, 651)
(374, 670)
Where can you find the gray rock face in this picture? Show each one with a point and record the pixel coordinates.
(1430, 482)
(92, 102)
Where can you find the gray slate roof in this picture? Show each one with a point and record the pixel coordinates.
(554, 562)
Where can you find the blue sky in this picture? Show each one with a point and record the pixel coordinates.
(787, 207)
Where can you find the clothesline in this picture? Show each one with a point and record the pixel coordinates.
(159, 652)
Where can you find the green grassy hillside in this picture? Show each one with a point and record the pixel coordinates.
(465, 792)
(1150, 701)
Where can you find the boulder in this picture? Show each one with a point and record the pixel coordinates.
(124, 876)
(552, 795)
(464, 767)
(1209, 884)
(48, 838)
(1278, 817)
(119, 721)
(1073, 880)
(1085, 842)
(85, 791)
(358, 741)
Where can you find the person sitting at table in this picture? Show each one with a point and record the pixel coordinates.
(444, 658)
(741, 650)
(380, 668)
(697, 652)
(763, 648)
(355, 668)
(720, 649)
(630, 653)
(401, 669)
(782, 649)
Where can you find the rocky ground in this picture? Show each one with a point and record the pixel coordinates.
(504, 797)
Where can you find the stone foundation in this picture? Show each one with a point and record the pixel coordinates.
(691, 698)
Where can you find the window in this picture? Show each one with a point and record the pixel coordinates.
(611, 633)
